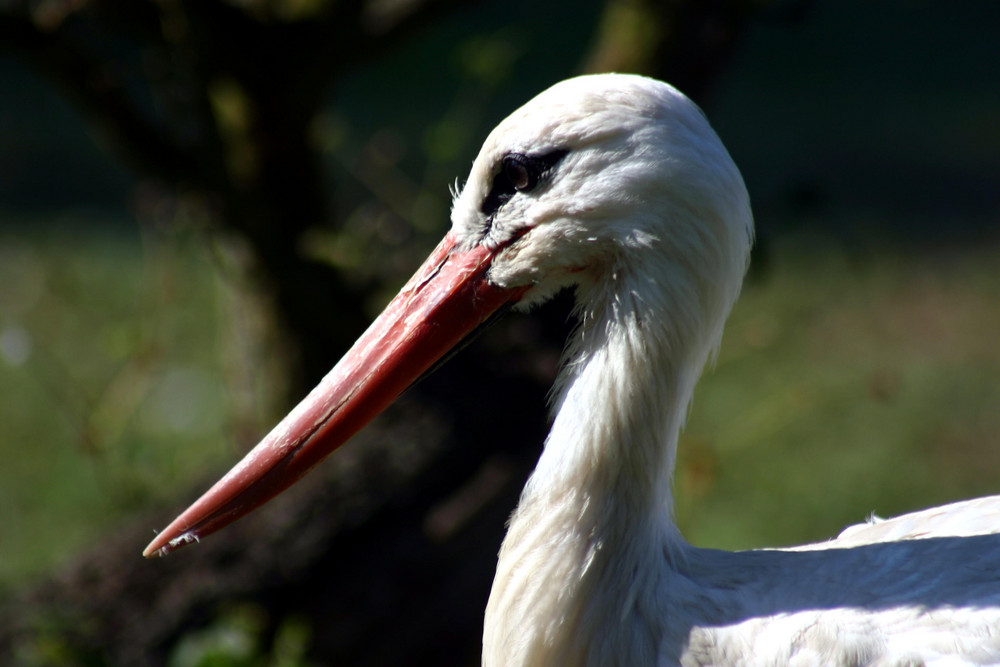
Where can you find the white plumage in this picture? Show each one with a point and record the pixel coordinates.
(616, 185)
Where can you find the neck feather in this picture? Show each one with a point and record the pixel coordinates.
(599, 501)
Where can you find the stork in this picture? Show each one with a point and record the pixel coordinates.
(617, 187)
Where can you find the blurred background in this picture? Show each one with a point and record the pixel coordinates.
(203, 203)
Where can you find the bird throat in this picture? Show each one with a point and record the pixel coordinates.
(599, 501)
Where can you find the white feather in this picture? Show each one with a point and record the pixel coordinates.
(648, 218)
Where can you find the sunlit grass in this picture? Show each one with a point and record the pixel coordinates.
(846, 386)
(113, 382)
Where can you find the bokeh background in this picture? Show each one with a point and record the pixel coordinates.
(203, 203)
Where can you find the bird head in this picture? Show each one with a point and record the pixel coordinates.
(598, 180)
(601, 173)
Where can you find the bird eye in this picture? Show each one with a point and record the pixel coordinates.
(521, 173)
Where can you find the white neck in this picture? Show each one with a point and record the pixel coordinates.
(593, 538)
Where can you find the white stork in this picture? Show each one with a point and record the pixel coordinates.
(617, 186)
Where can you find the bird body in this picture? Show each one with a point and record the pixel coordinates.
(616, 186)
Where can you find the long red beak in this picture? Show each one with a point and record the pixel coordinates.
(447, 298)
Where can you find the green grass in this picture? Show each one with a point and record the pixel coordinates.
(845, 385)
(115, 388)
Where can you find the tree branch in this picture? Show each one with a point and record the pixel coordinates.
(95, 88)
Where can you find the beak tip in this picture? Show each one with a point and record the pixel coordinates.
(159, 548)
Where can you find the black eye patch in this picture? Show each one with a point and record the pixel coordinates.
(518, 173)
